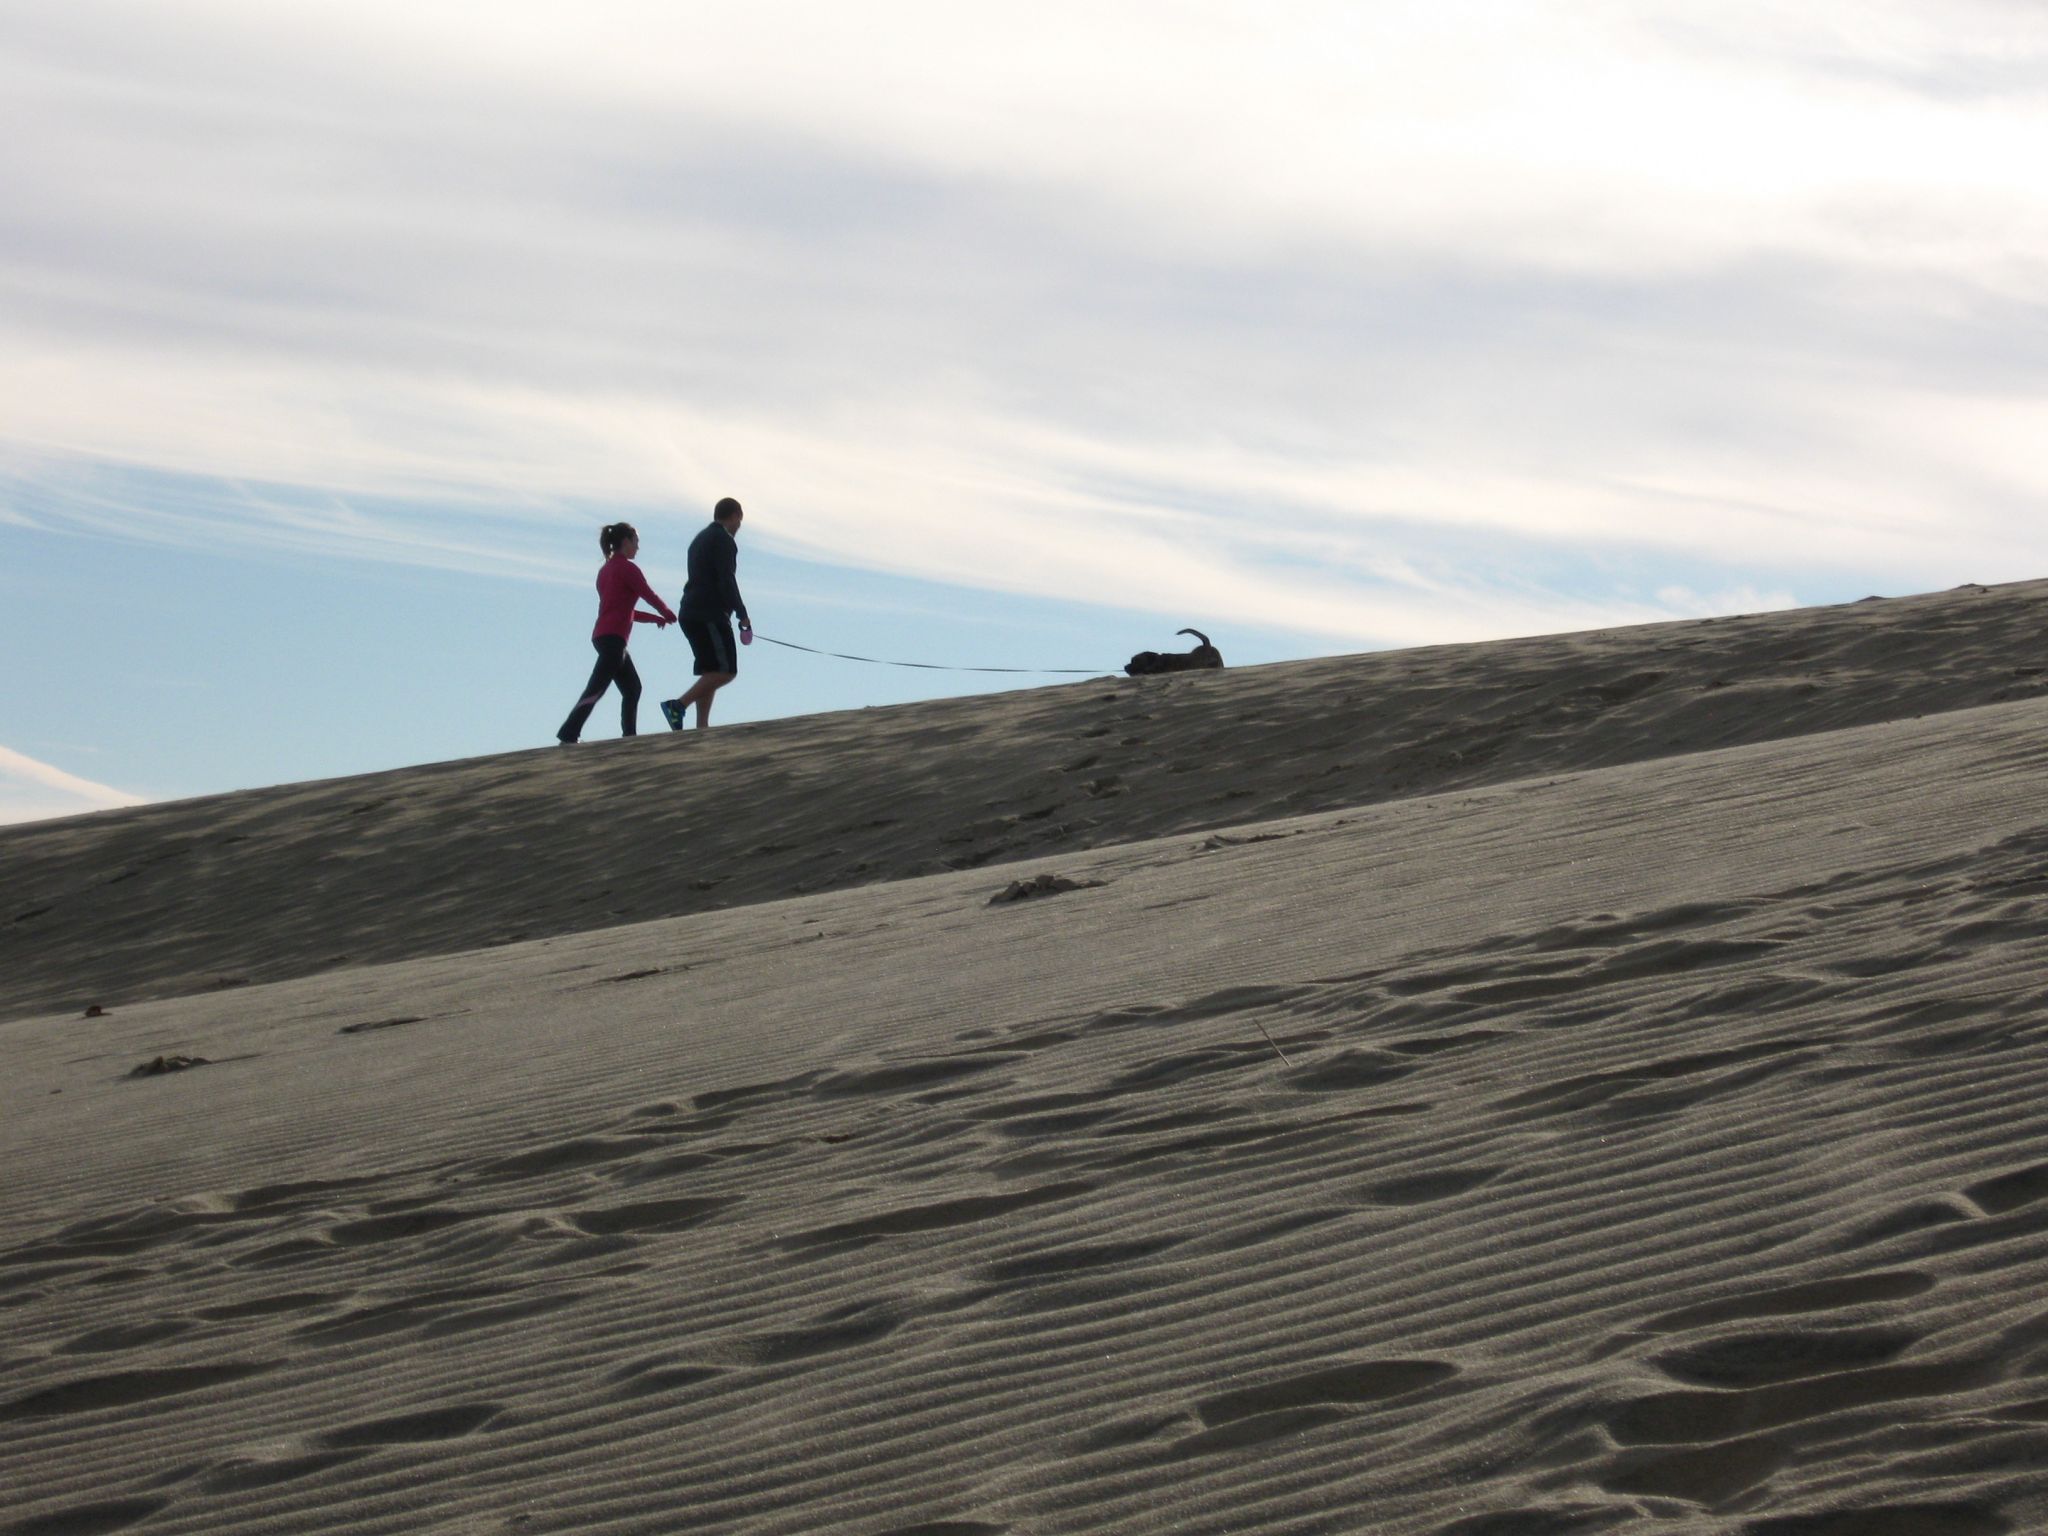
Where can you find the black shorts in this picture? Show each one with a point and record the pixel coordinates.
(711, 644)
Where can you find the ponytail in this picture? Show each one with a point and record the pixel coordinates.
(611, 538)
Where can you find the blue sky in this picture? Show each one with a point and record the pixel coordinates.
(328, 336)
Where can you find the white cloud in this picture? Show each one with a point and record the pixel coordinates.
(1294, 310)
(32, 790)
(1591, 134)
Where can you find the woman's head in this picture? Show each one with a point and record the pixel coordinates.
(612, 538)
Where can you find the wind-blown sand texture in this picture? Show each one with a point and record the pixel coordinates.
(1657, 1142)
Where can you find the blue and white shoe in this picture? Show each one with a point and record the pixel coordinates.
(672, 713)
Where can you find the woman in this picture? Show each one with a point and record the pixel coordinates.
(619, 586)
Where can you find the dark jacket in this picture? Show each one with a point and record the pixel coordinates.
(713, 590)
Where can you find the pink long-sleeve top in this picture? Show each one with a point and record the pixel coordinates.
(619, 586)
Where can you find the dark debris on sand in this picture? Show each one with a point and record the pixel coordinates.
(1040, 885)
(164, 1064)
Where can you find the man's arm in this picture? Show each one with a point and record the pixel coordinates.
(729, 579)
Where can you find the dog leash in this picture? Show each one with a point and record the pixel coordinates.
(930, 666)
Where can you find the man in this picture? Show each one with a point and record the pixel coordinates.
(710, 599)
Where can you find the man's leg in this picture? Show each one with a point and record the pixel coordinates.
(707, 685)
(700, 694)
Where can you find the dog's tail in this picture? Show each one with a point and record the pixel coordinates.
(1195, 632)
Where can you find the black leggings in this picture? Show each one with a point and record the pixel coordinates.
(613, 666)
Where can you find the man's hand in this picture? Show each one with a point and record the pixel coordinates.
(746, 634)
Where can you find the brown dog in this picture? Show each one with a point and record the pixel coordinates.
(1203, 657)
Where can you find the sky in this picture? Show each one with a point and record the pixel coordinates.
(330, 335)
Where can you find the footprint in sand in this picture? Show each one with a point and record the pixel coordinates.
(1766, 1358)
(397, 1226)
(677, 1215)
(1434, 1045)
(662, 1373)
(901, 1077)
(279, 1255)
(1181, 1067)
(447, 1423)
(275, 1465)
(842, 1328)
(476, 1318)
(1349, 1070)
(1695, 1417)
(1081, 1275)
(1253, 1416)
(269, 1306)
(1832, 1295)
(295, 1196)
(754, 1094)
(125, 1336)
(934, 1217)
(122, 1389)
(1578, 1518)
(1709, 1475)
(246, 1473)
(1914, 1219)
(376, 1319)
(89, 1519)
(1046, 1115)
(562, 1157)
(1057, 1263)
(1259, 1233)
(1591, 1089)
(1957, 1518)
(1427, 1188)
(2010, 1191)
(1791, 1300)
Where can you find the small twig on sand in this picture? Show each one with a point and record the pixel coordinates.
(1273, 1043)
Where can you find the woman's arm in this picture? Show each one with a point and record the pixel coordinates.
(662, 614)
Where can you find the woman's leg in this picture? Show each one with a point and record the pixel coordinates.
(628, 679)
(611, 650)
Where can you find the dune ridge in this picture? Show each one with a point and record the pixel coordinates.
(457, 855)
(1644, 1143)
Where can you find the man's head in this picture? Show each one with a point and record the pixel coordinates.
(727, 515)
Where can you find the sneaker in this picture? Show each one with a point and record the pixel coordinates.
(672, 714)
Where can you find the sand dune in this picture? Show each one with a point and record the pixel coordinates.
(282, 882)
(1631, 1139)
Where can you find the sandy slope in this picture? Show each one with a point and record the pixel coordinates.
(281, 882)
(1656, 1146)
